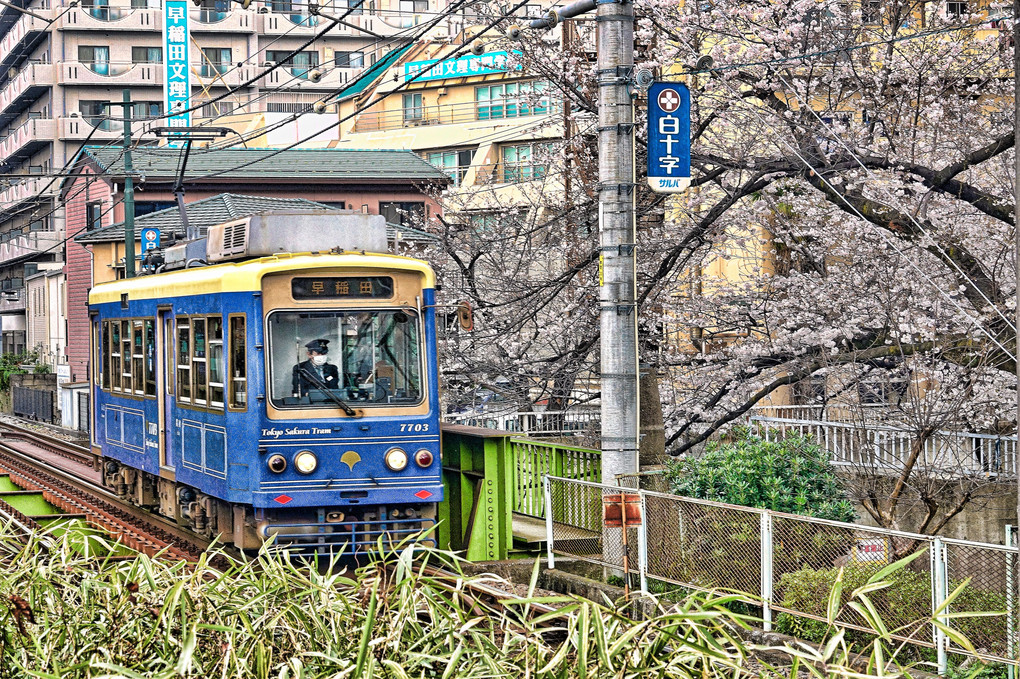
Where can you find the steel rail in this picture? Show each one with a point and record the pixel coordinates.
(139, 529)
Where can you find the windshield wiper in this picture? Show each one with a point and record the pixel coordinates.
(314, 379)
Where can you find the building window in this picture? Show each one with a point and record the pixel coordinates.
(524, 162)
(96, 58)
(349, 59)
(956, 7)
(403, 213)
(414, 6)
(215, 61)
(146, 110)
(214, 109)
(455, 163)
(146, 55)
(871, 11)
(93, 216)
(299, 64)
(144, 207)
(355, 6)
(96, 113)
(511, 100)
(412, 107)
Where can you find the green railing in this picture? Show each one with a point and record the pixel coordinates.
(490, 476)
(533, 459)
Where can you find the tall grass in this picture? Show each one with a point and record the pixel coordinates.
(66, 613)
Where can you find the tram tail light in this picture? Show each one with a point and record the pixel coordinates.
(424, 458)
(277, 464)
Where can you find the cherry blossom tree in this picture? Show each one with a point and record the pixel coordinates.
(849, 220)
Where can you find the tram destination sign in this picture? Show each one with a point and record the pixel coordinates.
(346, 287)
(669, 137)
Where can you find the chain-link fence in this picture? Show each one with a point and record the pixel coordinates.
(787, 565)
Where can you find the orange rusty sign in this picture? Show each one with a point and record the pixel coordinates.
(613, 507)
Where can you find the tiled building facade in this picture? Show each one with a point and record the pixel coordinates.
(63, 61)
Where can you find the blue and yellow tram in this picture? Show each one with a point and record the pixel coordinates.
(292, 396)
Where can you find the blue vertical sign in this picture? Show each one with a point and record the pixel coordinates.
(150, 238)
(177, 79)
(669, 137)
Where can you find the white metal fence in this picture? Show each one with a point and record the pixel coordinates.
(856, 444)
(533, 423)
(787, 564)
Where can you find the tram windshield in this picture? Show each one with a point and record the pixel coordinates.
(358, 356)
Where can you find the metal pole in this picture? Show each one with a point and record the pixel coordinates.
(547, 492)
(766, 571)
(939, 584)
(129, 193)
(643, 544)
(617, 281)
(1010, 605)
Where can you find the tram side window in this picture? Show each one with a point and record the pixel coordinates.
(214, 327)
(238, 369)
(150, 357)
(125, 355)
(104, 350)
(115, 369)
(138, 355)
(184, 359)
(199, 360)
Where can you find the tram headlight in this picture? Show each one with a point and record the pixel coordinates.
(395, 459)
(306, 462)
(276, 463)
(424, 458)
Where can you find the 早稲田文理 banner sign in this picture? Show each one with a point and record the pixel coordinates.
(438, 69)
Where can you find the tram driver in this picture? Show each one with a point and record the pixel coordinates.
(316, 372)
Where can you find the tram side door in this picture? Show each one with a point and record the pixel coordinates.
(165, 389)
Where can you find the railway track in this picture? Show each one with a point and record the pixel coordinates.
(59, 470)
(68, 477)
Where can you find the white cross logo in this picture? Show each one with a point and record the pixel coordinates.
(669, 100)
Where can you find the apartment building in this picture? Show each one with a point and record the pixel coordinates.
(63, 61)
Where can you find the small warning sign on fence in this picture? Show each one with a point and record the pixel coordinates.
(871, 550)
(615, 507)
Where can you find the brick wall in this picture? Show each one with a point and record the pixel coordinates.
(78, 268)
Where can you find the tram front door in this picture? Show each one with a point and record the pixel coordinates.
(165, 390)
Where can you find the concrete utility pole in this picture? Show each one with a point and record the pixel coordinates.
(617, 278)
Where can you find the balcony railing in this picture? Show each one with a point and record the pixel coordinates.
(452, 114)
(41, 187)
(106, 18)
(30, 80)
(31, 134)
(210, 20)
(27, 31)
(109, 73)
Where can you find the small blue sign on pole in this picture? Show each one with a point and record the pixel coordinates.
(150, 238)
(669, 137)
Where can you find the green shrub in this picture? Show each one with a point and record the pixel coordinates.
(792, 475)
(907, 599)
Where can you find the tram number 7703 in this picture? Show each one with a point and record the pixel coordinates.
(414, 427)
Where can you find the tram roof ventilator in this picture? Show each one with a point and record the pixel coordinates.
(272, 233)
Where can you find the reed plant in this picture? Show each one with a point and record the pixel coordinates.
(66, 611)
